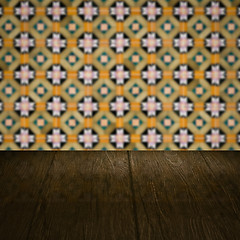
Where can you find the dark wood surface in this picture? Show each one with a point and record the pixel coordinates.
(120, 195)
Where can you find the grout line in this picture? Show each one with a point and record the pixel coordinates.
(133, 197)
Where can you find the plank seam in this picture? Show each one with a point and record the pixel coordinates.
(133, 197)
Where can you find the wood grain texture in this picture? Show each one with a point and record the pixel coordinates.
(22, 179)
(87, 196)
(187, 195)
(120, 195)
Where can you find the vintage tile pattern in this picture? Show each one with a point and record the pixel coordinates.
(110, 74)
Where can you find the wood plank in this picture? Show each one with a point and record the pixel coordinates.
(22, 177)
(87, 196)
(186, 195)
(102, 195)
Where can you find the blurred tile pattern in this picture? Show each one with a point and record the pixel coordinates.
(110, 74)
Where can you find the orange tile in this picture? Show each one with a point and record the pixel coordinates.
(104, 11)
(24, 26)
(215, 26)
(8, 10)
(103, 138)
(57, 90)
(151, 122)
(72, 138)
(56, 59)
(24, 89)
(88, 27)
(56, 122)
(40, 11)
(183, 58)
(24, 122)
(8, 75)
(119, 26)
(103, 106)
(167, 11)
(183, 122)
(88, 58)
(231, 138)
(40, 138)
(151, 58)
(8, 138)
(119, 122)
(231, 106)
(231, 42)
(151, 90)
(119, 90)
(215, 122)
(167, 75)
(135, 138)
(40, 106)
(71, 43)
(167, 42)
(183, 26)
(135, 106)
(72, 74)
(215, 90)
(151, 26)
(135, 43)
(135, 74)
(167, 138)
(103, 43)
(231, 11)
(199, 138)
(199, 106)
(167, 106)
(56, 26)
(119, 59)
(71, 11)
(199, 42)
(104, 74)
(183, 90)
(24, 58)
(199, 74)
(88, 122)
(215, 58)
(72, 106)
(40, 43)
(135, 11)
(8, 42)
(88, 90)
(199, 11)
